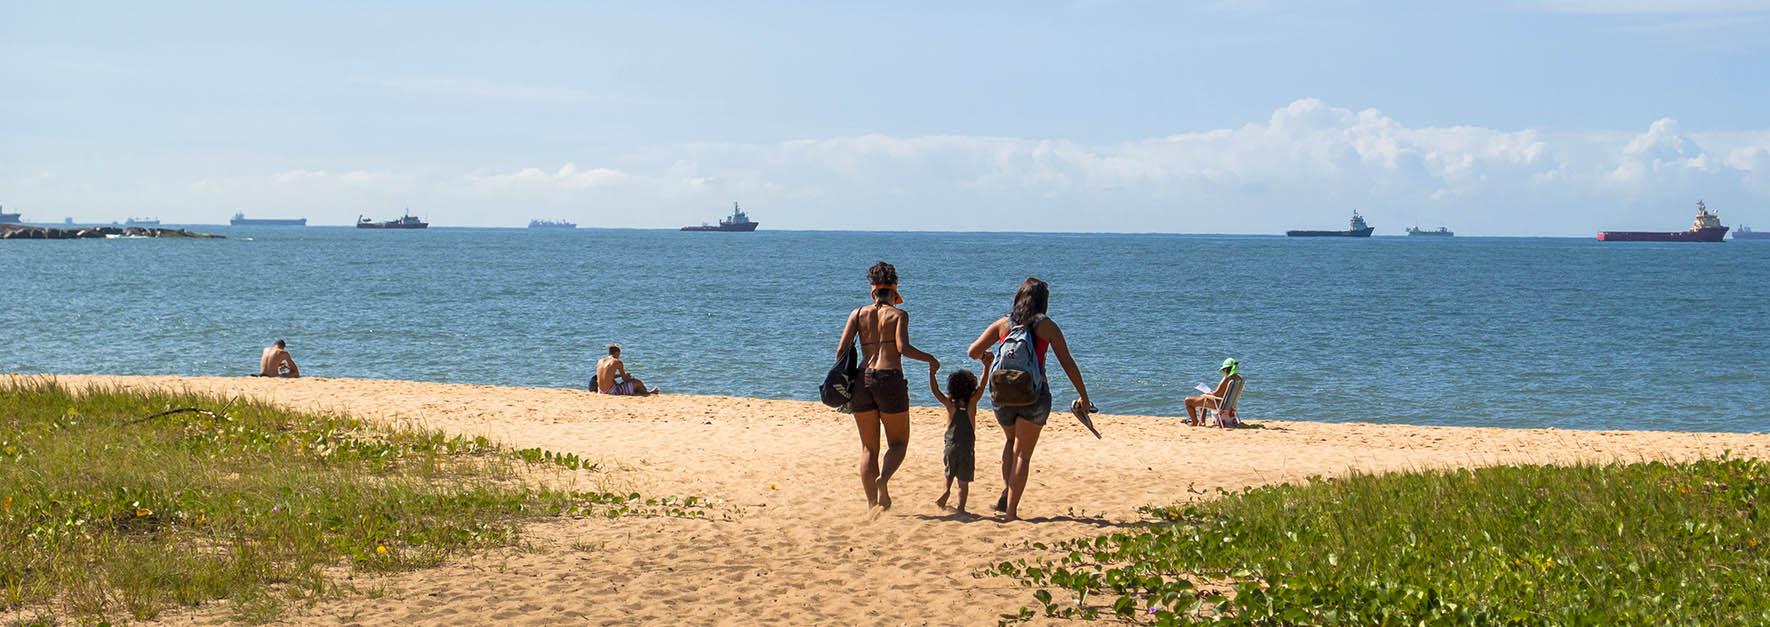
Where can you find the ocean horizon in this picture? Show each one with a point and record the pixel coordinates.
(523, 227)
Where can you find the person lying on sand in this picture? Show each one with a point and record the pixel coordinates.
(612, 377)
(276, 362)
(1231, 371)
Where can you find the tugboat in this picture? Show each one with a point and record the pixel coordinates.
(1358, 229)
(1746, 233)
(1419, 232)
(739, 222)
(1706, 228)
(240, 219)
(141, 222)
(11, 218)
(549, 224)
(407, 221)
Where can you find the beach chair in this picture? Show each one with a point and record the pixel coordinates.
(1224, 415)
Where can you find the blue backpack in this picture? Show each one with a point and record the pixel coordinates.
(1018, 381)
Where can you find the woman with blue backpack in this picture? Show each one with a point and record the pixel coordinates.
(1018, 387)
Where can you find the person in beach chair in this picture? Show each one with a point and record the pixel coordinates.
(1219, 402)
(612, 377)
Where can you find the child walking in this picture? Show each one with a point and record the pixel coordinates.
(960, 401)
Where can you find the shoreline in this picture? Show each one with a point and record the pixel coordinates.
(1256, 421)
(789, 539)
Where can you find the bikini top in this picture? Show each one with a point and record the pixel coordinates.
(861, 326)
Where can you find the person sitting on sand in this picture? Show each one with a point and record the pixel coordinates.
(612, 377)
(276, 362)
(960, 400)
(883, 396)
(1021, 424)
(1231, 371)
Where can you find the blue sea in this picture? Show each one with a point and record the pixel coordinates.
(1569, 333)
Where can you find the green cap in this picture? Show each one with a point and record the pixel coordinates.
(1232, 366)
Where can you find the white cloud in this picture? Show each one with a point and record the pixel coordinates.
(1306, 163)
(1307, 157)
(300, 180)
(1663, 151)
(353, 178)
(568, 176)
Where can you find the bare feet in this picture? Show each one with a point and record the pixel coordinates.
(884, 496)
(1010, 516)
(1002, 503)
(941, 502)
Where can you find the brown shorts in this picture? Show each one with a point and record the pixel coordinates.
(883, 391)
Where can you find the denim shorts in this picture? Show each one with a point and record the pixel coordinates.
(1036, 413)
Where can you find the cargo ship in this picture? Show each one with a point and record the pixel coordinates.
(1419, 232)
(407, 221)
(141, 222)
(11, 218)
(549, 224)
(1746, 233)
(739, 222)
(240, 219)
(1358, 229)
(1706, 228)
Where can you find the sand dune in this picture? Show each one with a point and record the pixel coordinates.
(792, 542)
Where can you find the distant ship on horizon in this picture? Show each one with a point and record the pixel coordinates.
(407, 221)
(1358, 229)
(11, 218)
(1706, 228)
(550, 224)
(1746, 233)
(738, 222)
(240, 219)
(141, 221)
(1419, 232)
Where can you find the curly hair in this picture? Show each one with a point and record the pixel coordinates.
(1032, 299)
(882, 274)
(961, 385)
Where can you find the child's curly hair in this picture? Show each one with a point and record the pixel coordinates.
(961, 385)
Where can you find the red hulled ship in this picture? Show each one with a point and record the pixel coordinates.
(1706, 228)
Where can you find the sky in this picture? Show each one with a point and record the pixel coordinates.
(1508, 117)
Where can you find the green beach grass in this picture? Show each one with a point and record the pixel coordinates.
(106, 514)
(1645, 543)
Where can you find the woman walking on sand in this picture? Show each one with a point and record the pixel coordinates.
(883, 396)
(1021, 423)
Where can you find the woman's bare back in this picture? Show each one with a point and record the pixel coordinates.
(877, 326)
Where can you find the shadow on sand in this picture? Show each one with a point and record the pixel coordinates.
(973, 517)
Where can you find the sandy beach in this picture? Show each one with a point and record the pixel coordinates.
(791, 540)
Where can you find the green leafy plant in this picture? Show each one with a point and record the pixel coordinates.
(1646, 543)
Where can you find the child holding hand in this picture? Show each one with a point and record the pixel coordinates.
(963, 391)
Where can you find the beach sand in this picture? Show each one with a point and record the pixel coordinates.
(792, 541)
